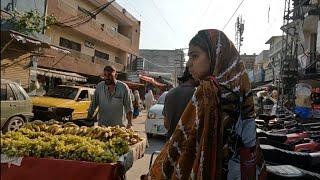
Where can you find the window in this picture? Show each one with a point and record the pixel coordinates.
(101, 55)
(91, 94)
(3, 92)
(114, 29)
(20, 92)
(117, 59)
(69, 44)
(63, 92)
(10, 94)
(84, 95)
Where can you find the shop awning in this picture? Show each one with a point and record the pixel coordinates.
(151, 80)
(133, 84)
(28, 39)
(59, 74)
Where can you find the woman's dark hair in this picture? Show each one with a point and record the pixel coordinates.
(200, 40)
(186, 76)
(203, 40)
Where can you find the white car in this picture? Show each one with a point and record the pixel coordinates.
(154, 124)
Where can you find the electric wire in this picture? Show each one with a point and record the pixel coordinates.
(165, 20)
(232, 15)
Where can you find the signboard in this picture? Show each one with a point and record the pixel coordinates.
(140, 64)
(134, 78)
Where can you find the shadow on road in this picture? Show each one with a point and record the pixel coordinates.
(155, 144)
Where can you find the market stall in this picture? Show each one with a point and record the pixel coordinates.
(65, 151)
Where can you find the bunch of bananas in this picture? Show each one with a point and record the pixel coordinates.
(26, 142)
(101, 133)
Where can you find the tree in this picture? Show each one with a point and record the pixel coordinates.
(31, 21)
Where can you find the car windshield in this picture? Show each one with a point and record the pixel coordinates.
(63, 92)
(162, 98)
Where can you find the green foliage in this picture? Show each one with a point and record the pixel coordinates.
(31, 21)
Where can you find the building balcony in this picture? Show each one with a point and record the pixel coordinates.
(92, 29)
(75, 62)
(109, 32)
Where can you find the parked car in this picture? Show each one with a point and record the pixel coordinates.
(63, 103)
(16, 106)
(155, 120)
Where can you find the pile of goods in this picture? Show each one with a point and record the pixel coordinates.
(53, 139)
(101, 133)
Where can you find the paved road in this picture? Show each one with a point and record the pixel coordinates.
(155, 144)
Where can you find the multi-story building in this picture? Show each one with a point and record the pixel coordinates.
(272, 68)
(248, 61)
(17, 51)
(111, 37)
(307, 24)
(167, 62)
(78, 47)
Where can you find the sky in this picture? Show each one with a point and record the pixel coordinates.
(170, 24)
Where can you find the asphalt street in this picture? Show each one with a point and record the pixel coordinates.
(141, 166)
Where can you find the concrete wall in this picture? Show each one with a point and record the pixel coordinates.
(163, 60)
(55, 33)
(112, 31)
(112, 19)
(108, 35)
(261, 59)
(71, 6)
(248, 61)
(78, 63)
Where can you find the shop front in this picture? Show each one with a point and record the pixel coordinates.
(47, 79)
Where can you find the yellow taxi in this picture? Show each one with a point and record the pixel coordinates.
(63, 103)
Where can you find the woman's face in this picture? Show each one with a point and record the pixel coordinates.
(198, 62)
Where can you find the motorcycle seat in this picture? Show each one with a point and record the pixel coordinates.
(266, 117)
(308, 161)
(273, 136)
(289, 172)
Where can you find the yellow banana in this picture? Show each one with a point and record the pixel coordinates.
(36, 128)
(82, 131)
(75, 130)
(54, 130)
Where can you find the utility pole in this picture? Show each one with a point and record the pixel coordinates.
(289, 58)
(239, 27)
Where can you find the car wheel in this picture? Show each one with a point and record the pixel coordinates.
(13, 124)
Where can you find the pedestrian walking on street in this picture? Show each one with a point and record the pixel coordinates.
(176, 101)
(136, 104)
(113, 99)
(149, 100)
(216, 135)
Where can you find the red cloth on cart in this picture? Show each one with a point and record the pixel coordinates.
(54, 169)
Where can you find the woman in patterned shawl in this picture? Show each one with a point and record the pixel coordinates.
(216, 135)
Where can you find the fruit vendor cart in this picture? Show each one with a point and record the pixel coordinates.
(31, 168)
